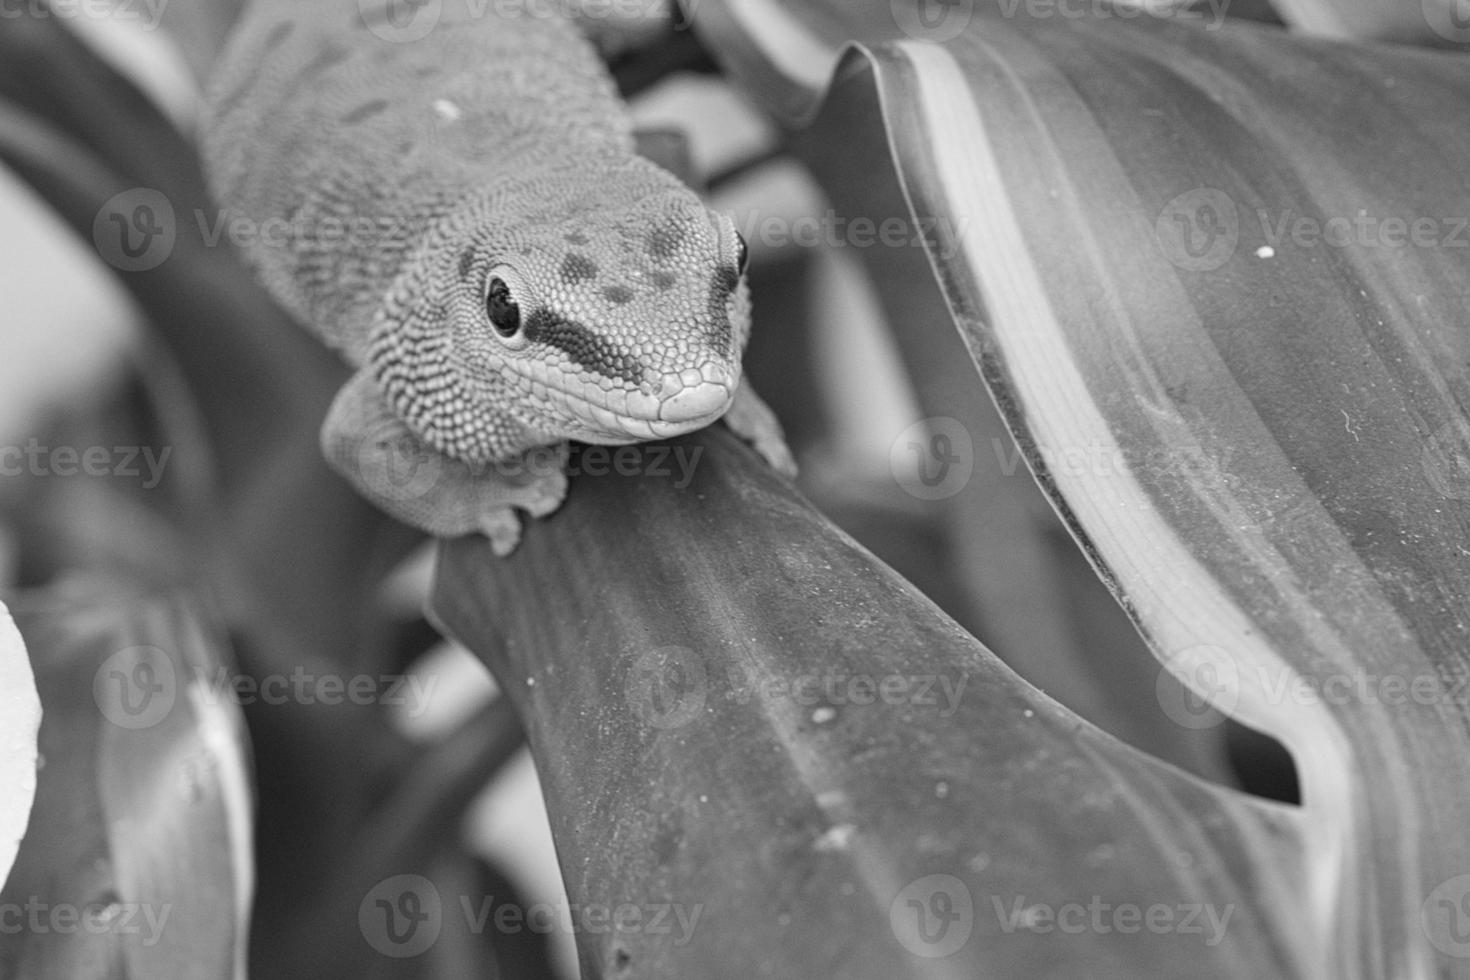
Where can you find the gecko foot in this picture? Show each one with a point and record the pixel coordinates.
(752, 420)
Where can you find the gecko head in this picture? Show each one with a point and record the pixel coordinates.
(623, 323)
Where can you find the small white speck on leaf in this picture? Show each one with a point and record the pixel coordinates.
(530, 682)
(1028, 713)
(941, 789)
(836, 838)
(823, 715)
(447, 110)
(1265, 252)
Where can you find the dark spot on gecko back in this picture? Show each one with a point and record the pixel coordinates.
(577, 267)
(365, 111)
(466, 263)
(584, 346)
(663, 242)
(576, 238)
(617, 294)
(663, 280)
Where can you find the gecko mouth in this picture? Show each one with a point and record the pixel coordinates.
(683, 402)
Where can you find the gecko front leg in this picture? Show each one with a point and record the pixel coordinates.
(384, 460)
(750, 418)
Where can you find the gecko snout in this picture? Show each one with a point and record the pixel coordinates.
(695, 402)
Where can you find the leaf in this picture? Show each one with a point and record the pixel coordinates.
(1131, 260)
(138, 858)
(20, 718)
(1440, 23)
(744, 720)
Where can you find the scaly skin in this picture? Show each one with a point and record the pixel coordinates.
(488, 162)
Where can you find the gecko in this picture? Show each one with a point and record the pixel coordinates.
(449, 196)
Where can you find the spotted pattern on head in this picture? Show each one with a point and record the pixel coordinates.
(584, 346)
(577, 267)
(664, 241)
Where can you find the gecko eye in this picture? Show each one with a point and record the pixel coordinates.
(504, 311)
(742, 255)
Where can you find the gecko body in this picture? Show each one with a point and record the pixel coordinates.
(462, 216)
